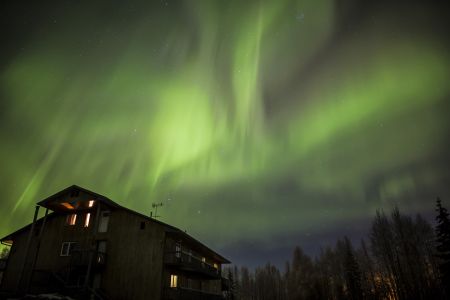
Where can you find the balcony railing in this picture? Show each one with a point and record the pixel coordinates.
(190, 263)
(73, 274)
(180, 293)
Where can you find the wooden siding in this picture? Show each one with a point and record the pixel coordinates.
(134, 257)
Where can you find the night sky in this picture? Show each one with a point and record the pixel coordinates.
(260, 125)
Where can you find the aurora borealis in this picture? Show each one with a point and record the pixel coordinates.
(252, 121)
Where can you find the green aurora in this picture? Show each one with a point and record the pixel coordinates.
(247, 119)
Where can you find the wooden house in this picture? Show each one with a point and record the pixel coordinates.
(86, 245)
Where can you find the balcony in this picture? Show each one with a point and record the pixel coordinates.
(189, 263)
(80, 258)
(73, 274)
(180, 293)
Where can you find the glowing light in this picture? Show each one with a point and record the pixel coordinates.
(67, 205)
(173, 281)
(87, 220)
(71, 219)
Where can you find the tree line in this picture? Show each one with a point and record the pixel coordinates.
(402, 257)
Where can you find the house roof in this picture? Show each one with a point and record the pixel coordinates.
(49, 203)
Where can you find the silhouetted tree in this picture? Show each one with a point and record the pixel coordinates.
(247, 289)
(402, 264)
(369, 284)
(232, 286)
(443, 244)
(299, 276)
(4, 253)
(352, 272)
(269, 283)
(382, 245)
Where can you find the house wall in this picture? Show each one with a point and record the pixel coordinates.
(134, 257)
(48, 259)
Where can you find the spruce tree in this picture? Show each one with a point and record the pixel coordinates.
(443, 243)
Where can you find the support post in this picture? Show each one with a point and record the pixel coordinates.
(27, 248)
(38, 246)
(93, 246)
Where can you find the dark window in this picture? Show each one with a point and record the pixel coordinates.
(67, 248)
(178, 250)
(142, 225)
(104, 220)
(74, 193)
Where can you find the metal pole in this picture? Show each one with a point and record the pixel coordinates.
(27, 248)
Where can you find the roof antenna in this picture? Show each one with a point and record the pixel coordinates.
(155, 206)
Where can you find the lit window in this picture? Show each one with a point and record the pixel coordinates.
(216, 266)
(173, 281)
(87, 219)
(203, 259)
(71, 219)
(67, 248)
(91, 203)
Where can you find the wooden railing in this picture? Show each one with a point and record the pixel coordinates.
(74, 273)
(191, 263)
(80, 257)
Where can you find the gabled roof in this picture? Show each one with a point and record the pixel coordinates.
(52, 200)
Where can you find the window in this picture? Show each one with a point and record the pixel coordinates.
(142, 225)
(91, 203)
(216, 266)
(87, 220)
(173, 281)
(71, 219)
(104, 220)
(203, 259)
(67, 248)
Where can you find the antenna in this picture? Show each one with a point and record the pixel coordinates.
(155, 206)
